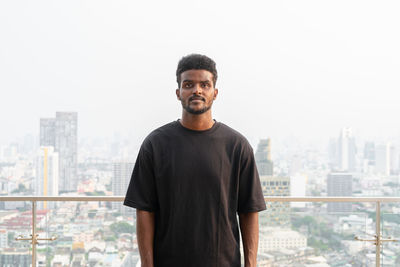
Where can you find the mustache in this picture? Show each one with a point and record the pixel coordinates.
(197, 98)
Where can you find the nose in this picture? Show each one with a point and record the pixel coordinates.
(197, 90)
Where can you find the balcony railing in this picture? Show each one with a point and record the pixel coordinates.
(310, 225)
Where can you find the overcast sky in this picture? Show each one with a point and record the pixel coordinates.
(295, 69)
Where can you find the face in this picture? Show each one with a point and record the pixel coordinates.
(196, 91)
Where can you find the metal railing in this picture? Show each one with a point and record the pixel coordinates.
(378, 240)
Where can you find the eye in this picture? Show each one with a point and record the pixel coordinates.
(205, 85)
(187, 85)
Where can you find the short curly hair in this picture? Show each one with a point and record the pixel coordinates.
(196, 62)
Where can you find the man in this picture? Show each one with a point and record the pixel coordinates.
(191, 179)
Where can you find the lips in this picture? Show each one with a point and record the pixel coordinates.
(197, 98)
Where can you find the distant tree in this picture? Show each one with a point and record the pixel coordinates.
(110, 238)
(21, 189)
(117, 214)
(122, 227)
(92, 214)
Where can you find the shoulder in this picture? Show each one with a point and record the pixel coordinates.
(163, 131)
(235, 137)
(159, 135)
(230, 131)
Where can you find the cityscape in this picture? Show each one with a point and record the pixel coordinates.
(313, 85)
(101, 233)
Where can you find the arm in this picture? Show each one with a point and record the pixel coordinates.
(249, 231)
(145, 236)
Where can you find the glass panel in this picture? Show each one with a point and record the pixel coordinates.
(390, 227)
(15, 220)
(306, 234)
(89, 234)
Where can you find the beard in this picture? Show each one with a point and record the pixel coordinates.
(196, 111)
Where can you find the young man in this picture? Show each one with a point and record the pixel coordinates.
(191, 179)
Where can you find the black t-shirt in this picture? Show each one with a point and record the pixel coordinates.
(196, 182)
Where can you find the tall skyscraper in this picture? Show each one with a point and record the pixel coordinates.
(61, 132)
(122, 172)
(47, 175)
(383, 159)
(347, 150)
(368, 162)
(66, 144)
(369, 153)
(340, 184)
(47, 132)
(333, 154)
(278, 213)
(264, 163)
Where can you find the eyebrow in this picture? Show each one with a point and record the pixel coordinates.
(206, 81)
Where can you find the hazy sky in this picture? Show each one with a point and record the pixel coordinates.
(300, 69)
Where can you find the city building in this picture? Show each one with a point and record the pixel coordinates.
(13, 257)
(47, 175)
(47, 135)
(3, 238)
(346, 151)
(61, 132)
(394, 161)
(382, 159)
(122, 172)
(275, 239)
(263, 157)
(277, 213)
(333, 156)
(298, 185)
(369, 153)
(340, 184)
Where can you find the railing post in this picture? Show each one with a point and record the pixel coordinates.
(33, 233)
(378, 234)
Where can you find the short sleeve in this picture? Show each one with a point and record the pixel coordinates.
(251, 198)
(142, 193)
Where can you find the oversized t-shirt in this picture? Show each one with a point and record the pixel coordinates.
(195, 182)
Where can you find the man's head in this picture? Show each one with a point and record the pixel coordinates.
(196, 76)
(196, 62)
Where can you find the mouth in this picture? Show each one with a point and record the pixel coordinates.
(196, 99)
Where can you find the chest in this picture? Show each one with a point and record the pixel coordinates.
(196, 164)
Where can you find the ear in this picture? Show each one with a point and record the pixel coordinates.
(215, 93)
(177, 92)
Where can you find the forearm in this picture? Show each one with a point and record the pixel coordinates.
(145, 236)
(249, 231)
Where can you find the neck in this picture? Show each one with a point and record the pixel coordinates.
(199, 122)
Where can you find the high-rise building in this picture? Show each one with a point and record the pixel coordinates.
(61, 132)
(277, 213)
(394, 160)
(369, 157)
(333, 156)
(66, 144)
(47, 132)
(263, 157)
(122, 172)
(296, 164)
(369, 153)
(340, 184)
(382, 159)
(298, 183)
(47, 175)
(347, 150)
